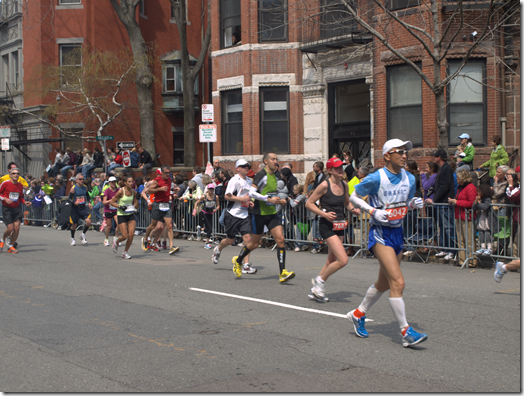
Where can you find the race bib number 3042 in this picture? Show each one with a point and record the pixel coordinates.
(396, 211)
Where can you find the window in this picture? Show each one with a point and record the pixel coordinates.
(399, 4)
(230, 23)
(69, 2)
(272, 20)
(336, 20)
(5, 72)
(71, 61)
(404, 104)
(16, 71)
(466, 98)
(172, 79)
(232, 140)
(274, 119)
(178, 147)
(142, 7)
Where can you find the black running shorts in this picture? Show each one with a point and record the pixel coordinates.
(259, 221)
(79, 212)
(235, 225)
(325, 228)
(12, 215)
(126, 218)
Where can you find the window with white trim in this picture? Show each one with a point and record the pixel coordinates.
(232, 138)
(274, 119)
(71, 59)
(230, 23)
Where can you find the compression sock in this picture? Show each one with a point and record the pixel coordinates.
(86, 228)
(281, 255)
(243, 253)
(399, 309)
(73, 233)
(371, 297)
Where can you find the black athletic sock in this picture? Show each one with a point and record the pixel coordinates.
(86, 227)
(281, 255)
(73, 233)
(243, 253)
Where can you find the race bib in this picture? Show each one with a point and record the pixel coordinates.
(111, 207)
(245, 204)
(396, 211)
(80, 200)
(163, 206)
(13, 196)
(340, 225)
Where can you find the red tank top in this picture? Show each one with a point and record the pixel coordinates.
(163, 196)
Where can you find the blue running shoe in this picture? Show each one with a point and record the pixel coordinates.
(413, 338)
(358, 324)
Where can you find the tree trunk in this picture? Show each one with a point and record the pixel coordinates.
(126, 11)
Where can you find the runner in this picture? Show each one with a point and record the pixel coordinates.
(264, 214)
(110, 211)
(501, 269)
(12, 195)
(236, 218)
(126, 199)
(78, 199)
(21, 180)
(333, 196)
(391, 192)
(161, 208)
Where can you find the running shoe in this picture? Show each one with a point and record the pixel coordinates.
(152, 248)
(487, 252)
(237, 268)
(115, 246)
(106, 242)
(313, 297)
(247, 269)
(286, 275)
(408, 253)
(297, 249)
(217, 242)
(174, 249)
(72, 243)
(358, 324)
(314, 251)
(441, 254)
(144, 244)
(450, 256)
(413, 338)
(84, 240)
(480, 251)
(190, 238)
(199, 233)
(499, 271)
(208, 246)
(319, 288)
(1, 245)
(164, 245)
(126, 256)
(216, 255)
(15, 245)
(12, 250)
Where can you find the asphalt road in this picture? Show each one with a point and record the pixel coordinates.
(81, 319)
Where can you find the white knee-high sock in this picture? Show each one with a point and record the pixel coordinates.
(371, 297)
(399, 309)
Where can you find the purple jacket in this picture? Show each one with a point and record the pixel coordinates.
(427, 183)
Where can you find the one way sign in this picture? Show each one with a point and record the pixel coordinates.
(125, 145)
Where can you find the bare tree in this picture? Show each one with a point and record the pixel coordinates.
(189, 75)
(93, 93)
(126, 11)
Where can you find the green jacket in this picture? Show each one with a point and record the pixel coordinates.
(498, 156)
(470, 154)
(93, 193)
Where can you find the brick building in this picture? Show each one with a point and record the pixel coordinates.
(43, 32)
(303, 79)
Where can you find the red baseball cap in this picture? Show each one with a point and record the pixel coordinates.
(334, 163)
(517, 169)
(158, 171)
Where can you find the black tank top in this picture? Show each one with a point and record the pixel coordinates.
(330, 202)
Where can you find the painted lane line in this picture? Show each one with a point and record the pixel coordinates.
(270, 302)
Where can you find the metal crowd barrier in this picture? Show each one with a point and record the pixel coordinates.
(426, 231)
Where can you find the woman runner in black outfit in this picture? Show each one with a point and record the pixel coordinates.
(333, 196)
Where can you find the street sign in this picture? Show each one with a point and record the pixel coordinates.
(125, 145)
(5, 144)
(126, 158)
(207, 113)
(5, 131)
(208, 133)
(105, 137)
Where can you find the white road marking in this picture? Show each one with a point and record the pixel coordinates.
(272, 303)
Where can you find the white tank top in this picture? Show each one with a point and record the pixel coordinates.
(389, 193)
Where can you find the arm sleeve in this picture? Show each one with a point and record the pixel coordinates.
(253, 193)
(356, 200)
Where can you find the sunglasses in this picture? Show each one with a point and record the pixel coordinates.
(15, 173)
(400, 152)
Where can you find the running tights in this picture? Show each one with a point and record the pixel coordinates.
(208, 223)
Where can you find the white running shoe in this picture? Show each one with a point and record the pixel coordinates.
(499, 271)
(84, 240)
(106, 242)
(248, 269)
(115, 246)
(126, 256)
(450, 256)
(318, 289)
(216, 255)
(72, 243)
(441, 254)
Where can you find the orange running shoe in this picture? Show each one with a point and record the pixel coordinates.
(1, 246)
(12, 250)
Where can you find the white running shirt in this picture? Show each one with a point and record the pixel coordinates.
(238, 187)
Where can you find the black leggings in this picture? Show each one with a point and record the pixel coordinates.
(208, 223)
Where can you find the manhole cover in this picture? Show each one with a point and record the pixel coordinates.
(207, 332)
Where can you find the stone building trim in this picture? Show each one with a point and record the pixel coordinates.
(255, 47)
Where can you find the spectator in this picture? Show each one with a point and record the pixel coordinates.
(310, 178)
(71, 163)
(277, 173)
(87, 161)
(61, 160)
(443, 191)
(465, 158)
(513, 196)
(146, 162)
(134, 158)
(98, 162)
(428, 179)
(192, 194)
(320, 176)
(96, 201)
(282, 193)
(210, 207)
(288, 165)
(410, 222)
(482, 208)
(206, 180)
(348, 164)
(361, 174)
(466, 195)
(313, 221)
(412, 167)
(216, 167)
(111, 155)
(197, 177)
(49, 187)
(60, 191)
(498, 157)
(499, 190)
(290, 179)
(116, 163)
(453, 166)
(299, 216)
